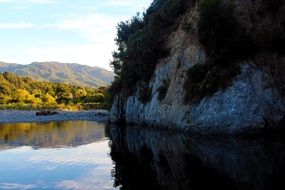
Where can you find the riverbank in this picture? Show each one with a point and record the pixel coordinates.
(19, 116)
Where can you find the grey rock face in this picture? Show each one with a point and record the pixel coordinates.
(248, 104)
(252, 101)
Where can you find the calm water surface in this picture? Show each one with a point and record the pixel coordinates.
(56, 155)
(83, 155)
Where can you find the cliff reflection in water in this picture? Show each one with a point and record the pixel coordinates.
(150, 159)
(50, 135)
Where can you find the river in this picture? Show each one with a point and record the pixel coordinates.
(83, 155)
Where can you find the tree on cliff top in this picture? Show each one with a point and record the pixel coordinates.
(141, 43)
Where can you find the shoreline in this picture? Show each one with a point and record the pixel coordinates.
(23, 116)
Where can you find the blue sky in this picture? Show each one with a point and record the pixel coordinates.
(73, 31)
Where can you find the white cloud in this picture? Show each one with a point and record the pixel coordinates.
(128, 3)
(48, 43)
(20, 25)
(95, 30)
(93, 20)
(5, 1)
(28, 1)
(93, 154)
(95, 27)
(88, 54)
(91, 158)
(16, 186)
(42, 1)
(96, 180)
(99, 31)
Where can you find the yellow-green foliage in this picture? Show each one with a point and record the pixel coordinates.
(48, 99)
(24, 93)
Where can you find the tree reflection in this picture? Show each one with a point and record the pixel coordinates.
(152, 159)
(50, 135)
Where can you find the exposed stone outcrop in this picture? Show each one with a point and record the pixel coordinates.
(254, 100)
(251, 101)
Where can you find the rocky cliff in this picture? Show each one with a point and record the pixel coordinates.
(252, 99)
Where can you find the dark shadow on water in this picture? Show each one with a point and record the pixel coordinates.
(152, 159)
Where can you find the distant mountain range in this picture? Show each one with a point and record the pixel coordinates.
(72, 73)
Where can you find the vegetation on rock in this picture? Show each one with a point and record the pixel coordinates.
(221, 34)
(227, 37)
(162, 90)
(141, 43)
(205, 80)
(227, 42)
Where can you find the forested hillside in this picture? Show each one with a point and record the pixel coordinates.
(24, 92)
(70, 73)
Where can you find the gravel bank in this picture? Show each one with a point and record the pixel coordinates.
(17, 116)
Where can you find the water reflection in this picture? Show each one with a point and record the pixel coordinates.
(57, 155)
(50, 135)
(151, 159)
(86, 155)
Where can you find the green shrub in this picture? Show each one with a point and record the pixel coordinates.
(115, 87)
(125, 29)
(162, 90)
(220, 33)
(143, 44)
(225, 42)
(278, 42)
(205, 80)
(187, 27)
(273, 5)
(144, 94)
